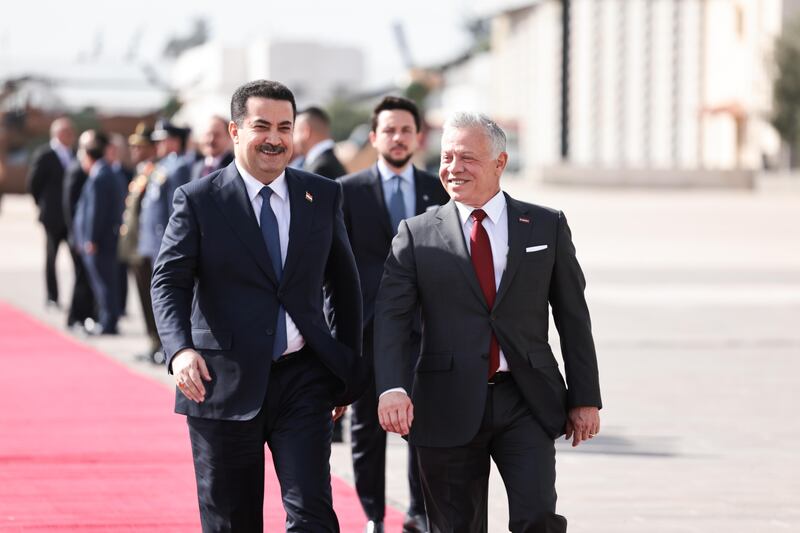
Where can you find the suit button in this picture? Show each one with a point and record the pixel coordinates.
(270, 332)
(484, 356)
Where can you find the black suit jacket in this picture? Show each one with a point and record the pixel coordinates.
(45, 183)
(429, 268)
(326, 164)
(74, 180)
(214, 289)
(369, 226)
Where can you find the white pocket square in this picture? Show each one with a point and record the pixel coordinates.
(536, 248)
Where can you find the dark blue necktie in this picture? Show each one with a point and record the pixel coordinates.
(269, 230)
(397, 204)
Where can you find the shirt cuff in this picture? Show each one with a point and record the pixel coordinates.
(396, 389)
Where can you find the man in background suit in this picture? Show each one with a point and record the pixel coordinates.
(98, 216)
(238, 289)
(483, 270)
(45, 183)
(82, 305)
(312, 141)
(375, 201)
(215, 145)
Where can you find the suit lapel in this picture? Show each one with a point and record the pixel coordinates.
(452, 233)
(422, 194)
(302, 210)
(231, 196)
(377, 193)
(518, 235)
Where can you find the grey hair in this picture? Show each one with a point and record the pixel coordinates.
(467, 119)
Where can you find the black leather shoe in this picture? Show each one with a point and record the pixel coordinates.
(373, 526)
(417, 523)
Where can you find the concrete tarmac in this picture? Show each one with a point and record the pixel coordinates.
(695, 300)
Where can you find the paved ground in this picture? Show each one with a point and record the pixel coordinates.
(695, 298)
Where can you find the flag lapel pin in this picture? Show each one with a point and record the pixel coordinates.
(525, 220)
(309, 197)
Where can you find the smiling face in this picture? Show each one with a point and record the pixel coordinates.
(395, 137)
(263, 141)
(468, 171)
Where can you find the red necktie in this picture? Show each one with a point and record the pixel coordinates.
(481, 252)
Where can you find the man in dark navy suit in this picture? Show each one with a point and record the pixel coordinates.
(375, 201)
(249, 256)
(98, 216)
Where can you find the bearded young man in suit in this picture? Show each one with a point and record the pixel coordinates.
(483, 270)
(45, 182)
(249, 255)
(375, 201)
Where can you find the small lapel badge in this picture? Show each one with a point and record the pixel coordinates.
(309, 197)
(525, 220)
(425, 197)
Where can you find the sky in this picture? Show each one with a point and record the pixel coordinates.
(57, 30)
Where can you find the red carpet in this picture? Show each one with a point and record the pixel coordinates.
(86, 445)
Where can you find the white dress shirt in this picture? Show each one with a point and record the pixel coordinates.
(406, 185)
(496, 226)
(279, 201)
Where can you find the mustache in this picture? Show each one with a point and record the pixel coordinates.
(271, 148)
(400, 145)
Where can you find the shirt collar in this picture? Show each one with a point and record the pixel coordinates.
(254, 186)
(386, 173)
(493, 208)
(318, 148)
(59, 148)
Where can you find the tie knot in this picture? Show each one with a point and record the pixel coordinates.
(265, 193)
(478, 215)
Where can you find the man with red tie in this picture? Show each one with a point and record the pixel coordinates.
(483, 271)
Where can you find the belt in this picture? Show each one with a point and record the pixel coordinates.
(500, 377)
(290, 357)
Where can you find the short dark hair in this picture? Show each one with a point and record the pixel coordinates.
(96, 146)
(390, 103)
(259, 89)
(317, 114)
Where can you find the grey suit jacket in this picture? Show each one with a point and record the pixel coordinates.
(429, 268)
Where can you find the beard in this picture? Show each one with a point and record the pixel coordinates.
(397, 163)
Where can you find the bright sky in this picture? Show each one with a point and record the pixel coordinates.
(64, 30)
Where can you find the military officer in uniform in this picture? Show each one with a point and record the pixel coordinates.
(144, 157)
(171, 171)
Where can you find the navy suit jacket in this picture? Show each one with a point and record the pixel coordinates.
(214, 289)
(369, 227)
(45, 182)
(98, 214)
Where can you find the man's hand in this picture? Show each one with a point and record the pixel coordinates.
(396, 412)
(90, 248)
(188, 367)
(583, 424)
(338, 412)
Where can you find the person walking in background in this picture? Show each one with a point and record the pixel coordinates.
(375, 201)
(97, 219)
(82, 312)
(216, 147)
(117, 155)
(312, 142)
(238, 289)
(45, 182)
(484, 270)
(143, 157)
(172, 170)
